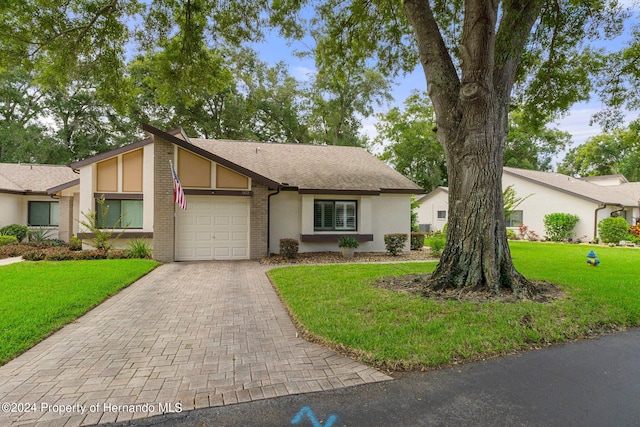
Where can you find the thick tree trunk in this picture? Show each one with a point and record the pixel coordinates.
(471, 102)
(477, 255)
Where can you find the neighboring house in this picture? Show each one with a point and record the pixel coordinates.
(242, 197)
(23, 195)
(433, 210)
(592, 199)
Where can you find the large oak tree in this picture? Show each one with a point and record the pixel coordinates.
(473, 53)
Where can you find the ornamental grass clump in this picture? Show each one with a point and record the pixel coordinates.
(138, 248)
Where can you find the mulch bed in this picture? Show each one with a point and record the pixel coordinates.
(418, 284)
(306, 258)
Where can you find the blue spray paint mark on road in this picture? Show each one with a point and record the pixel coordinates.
(309, 413)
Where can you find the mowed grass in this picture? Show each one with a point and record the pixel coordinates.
(340, 306)
(38, 298)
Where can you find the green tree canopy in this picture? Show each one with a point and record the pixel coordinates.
(610, 153)
(409, 142)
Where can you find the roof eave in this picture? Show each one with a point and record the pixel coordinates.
(54, 190)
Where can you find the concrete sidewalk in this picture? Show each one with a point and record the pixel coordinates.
(186, 336)
(7, 261)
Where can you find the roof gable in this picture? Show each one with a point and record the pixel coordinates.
(433, 193)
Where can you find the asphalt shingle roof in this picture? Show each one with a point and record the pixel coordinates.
(310, 167)
(614, 195)
(30, 178)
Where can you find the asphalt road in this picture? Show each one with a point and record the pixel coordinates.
(585, 383)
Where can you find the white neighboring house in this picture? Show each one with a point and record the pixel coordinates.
(591, 199)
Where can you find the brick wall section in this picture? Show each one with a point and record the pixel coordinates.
(163, 206)
(258, 230)
(65, 218)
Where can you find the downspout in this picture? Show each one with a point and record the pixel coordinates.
(595, 221)
(269, 218)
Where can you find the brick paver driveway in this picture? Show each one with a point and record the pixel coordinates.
(187, 335)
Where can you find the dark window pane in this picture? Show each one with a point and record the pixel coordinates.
(39, 213)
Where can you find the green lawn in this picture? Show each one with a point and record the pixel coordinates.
(38, 298)
(338, 305)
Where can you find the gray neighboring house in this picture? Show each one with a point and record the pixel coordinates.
(242, 197)
(24, 198)
(591, 198)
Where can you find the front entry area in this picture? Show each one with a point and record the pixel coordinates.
(213, 228)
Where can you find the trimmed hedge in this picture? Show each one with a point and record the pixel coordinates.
(19, 231)
(417, 240)
(8, 240)
(289, 248)
(395, 243)
(559, 226)
(613, 229)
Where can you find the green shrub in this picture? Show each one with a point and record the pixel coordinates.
(58, 253)
(75, 244)
(19, 231)
(395, 243)
(35, 255)
(139, 248)
(119, 254)
(437, 245)
(417, 240)
(559, 226)
(8, 240)
(289, 248)
(347, 242)
(613, 229)
(632, 238)
(511, 235)
(57, 242)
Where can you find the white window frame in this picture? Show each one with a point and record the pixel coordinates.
(344, 215)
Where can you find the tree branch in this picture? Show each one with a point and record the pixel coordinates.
(442, 80)
(518, 18)
(477, 46)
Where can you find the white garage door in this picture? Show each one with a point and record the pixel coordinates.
(213, 228)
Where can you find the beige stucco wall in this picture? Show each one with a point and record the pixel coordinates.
(88, 178)
(391, 214)
(12, 210)
(285, 215)
(428, 210)
(292, 215)
(545, 201)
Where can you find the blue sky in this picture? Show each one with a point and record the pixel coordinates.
(575, 123)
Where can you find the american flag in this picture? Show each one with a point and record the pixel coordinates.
(178, 192)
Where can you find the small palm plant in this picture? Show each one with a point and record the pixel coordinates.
(347, 245)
